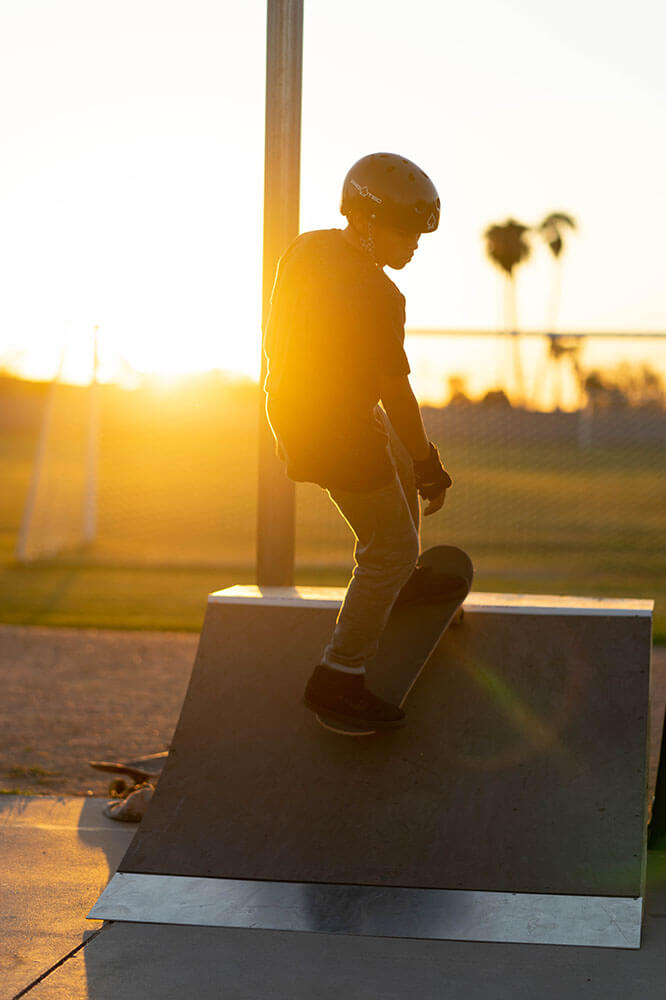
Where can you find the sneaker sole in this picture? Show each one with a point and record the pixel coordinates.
(347, 720)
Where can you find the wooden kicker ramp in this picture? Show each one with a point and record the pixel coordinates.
(511, 807)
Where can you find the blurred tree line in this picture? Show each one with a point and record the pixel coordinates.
(626, 386)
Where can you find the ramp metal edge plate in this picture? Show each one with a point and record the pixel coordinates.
(444, 914)
(550, 604)
(486, 603)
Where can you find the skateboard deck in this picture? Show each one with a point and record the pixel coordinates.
(138, 771)
(412, 633)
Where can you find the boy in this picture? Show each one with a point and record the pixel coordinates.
(334, 343)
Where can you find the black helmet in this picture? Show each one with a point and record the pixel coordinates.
(392, 190)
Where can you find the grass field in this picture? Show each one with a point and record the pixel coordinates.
(177, 509)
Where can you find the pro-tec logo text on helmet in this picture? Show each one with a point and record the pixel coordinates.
(364, 192)
(431, 222)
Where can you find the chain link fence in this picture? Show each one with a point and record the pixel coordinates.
(553, 499)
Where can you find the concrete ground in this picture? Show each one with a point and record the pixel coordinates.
(58, 853)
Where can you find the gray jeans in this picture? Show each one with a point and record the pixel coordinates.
(385, 524)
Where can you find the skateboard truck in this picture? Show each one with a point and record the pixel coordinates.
(140, 771)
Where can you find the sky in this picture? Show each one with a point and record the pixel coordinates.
(131, 174)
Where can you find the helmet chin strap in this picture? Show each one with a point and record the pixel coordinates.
(368, 244)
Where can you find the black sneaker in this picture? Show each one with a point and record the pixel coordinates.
(345, 698)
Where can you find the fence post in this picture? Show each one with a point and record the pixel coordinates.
(92, 449)
(657, 828)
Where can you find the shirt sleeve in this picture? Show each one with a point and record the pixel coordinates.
(388, 336)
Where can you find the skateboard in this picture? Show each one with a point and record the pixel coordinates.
(139, 771)
(413, 631)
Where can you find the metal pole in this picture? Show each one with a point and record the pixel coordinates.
(24, 550)
(92, 458)
(284, 62)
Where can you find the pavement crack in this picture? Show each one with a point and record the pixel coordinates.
(65, 958)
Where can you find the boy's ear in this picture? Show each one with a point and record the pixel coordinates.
(359, 222)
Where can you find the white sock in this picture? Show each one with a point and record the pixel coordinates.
(356, 671)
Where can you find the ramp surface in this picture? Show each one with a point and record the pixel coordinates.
(522, 768)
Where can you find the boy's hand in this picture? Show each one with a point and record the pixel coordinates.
(435, 504)
(432, 481)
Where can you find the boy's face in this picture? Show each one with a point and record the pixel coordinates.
(393, 247)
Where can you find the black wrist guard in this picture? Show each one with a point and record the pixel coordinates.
(431, 476)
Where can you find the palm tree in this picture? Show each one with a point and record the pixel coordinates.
(551, 230)
(559, 349)
(507, 247)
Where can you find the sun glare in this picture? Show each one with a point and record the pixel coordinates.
(133, 201)
(80, 351)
